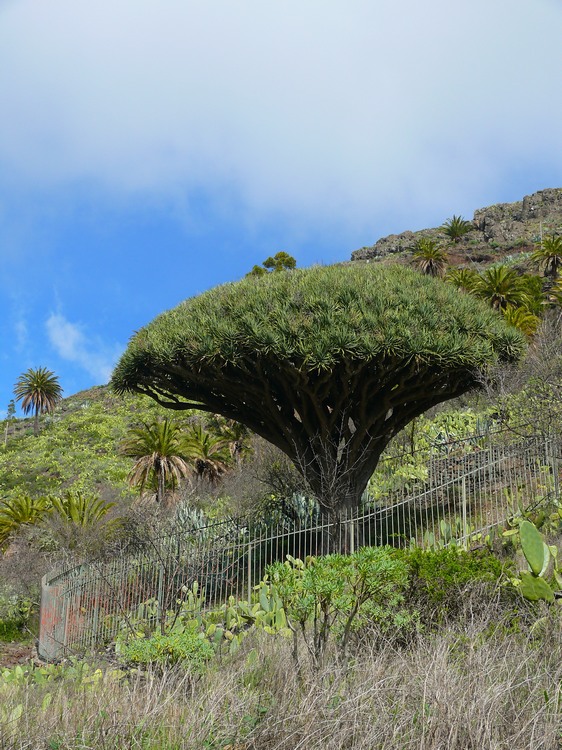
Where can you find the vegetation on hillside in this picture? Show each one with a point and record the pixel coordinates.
(385, 648)
(77, 447)
(281, 261)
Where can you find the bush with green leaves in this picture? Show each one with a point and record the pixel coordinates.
(437, 577)
(324, 603)
(329, 598)
(187, 646)
(71, 670)
(15, 611)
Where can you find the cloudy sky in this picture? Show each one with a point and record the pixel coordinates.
(151, 149)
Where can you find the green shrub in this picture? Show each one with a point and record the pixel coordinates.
(14, 616)
(10, 630)
(188, 647)
(335, 595)
(437, 576)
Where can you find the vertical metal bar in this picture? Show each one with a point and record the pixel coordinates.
(160, 592)
(464, 514)
(555, 469)
(249, 582)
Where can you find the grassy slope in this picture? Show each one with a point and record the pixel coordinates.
(78, 445)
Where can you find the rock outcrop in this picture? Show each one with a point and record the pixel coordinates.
(498, 229)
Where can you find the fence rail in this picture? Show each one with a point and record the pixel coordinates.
(464, 490)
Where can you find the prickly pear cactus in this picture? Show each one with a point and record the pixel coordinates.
(534, 588)
(535, 550)
(531, 583)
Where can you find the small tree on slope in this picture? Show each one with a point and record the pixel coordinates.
(39, 392)
(328, 363)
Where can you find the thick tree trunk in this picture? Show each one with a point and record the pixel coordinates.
(339, 490)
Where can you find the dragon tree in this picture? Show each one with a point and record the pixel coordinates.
(328, 363)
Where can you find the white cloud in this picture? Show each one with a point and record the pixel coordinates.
(315, 108)
(71, 344)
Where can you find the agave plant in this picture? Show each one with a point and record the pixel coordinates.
(456, 227)
(187, 518)
(429, 257)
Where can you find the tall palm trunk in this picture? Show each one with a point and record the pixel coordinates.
(161, 489)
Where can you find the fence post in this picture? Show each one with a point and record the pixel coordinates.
(95, 620)
(464, 517)
(51, 622)
(159, 607)
(249, 572)
(554, 463)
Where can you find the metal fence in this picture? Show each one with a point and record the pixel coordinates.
(455, 491)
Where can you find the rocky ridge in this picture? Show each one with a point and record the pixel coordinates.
(498, 230)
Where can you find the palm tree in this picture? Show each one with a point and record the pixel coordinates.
(462, 278)
(39, 391)
(159, 450)
(22, 510)
(554, 295)
(236, 434)
(456, 227)
(208, 453)
(522, 319)
(548, 255)
(500, 286)
(429, 257)
(79, 508)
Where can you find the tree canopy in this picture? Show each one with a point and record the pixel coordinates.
(281, 261)
(327, 363)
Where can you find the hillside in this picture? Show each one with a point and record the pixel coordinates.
(78, 446)
(497, 231)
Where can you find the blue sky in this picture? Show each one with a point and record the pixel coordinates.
(152, 149)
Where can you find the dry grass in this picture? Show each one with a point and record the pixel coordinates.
(473, 686)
